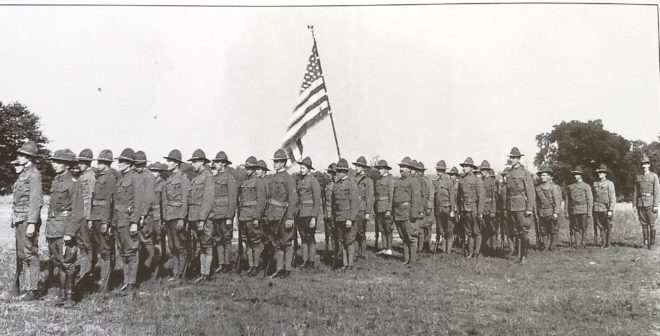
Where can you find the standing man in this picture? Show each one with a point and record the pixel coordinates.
(580, 206)
(604, 202)
(65, 215)
(471, 196)
(646, 196)
(156, 215)
(200, 202)
(86, 246)
(444, 204)
(145, 236)
(102, 205)
(459, 231)
(489, 232)
(251, 207)
(365, 203)
(26, 219)
(520, 190)
(175, 213)
(384, 194)
(406, 205)
(345, 208)
(225, 200)
(280, 212)
(548, 205)
(308, 212)
(426, 222)
(329, 231)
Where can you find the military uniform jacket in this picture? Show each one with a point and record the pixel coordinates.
(103, 196)
(520, 189)
(580, 199)
(129, 201)
(345, 200)
(490, 199)
(225, 195)
(65, 210)
(444, 194)
(252, 198)
(281, 196)
(87, 182)
(149, 184)
(365, 193)
(200, 198)
(407, 199)
(426, 193)
(471, 193)
(604, 196)
(384, 193)
(309, 197)
(327, 200)
(156, 205)
(175, 196)
(28, 197)
(548, 199)
(501, 195)
(647, 190)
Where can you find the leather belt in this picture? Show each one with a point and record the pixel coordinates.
(382, 198)
(307, 202)
(248, 203)
(65, 213)
(100, 202)
(278, 203)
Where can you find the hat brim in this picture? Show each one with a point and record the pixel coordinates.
(84, 159)
(26, 153)
(440, 168)
(222, 160)
(403, 164)
(304, 164)
(549, 172)
(516, 155)
(123, 158)
(59, 159)
(602, 171)
(360, 164)
(575, 172)
(384, 167)
(198, 158)
(173, 159)
(468, 165)
(104, 160)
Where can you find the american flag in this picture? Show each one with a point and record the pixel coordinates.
(312, 106)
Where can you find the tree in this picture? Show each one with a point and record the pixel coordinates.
(17, 126)
(586, 144)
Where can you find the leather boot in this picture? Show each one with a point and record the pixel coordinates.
(645, 235)
(448, 244)
(652, 230)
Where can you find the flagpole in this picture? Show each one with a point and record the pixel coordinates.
(332, 121)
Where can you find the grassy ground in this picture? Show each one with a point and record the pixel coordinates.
(568, 292)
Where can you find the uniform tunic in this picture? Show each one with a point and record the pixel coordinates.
(548, 204)
(646, 196)
(309, 206)
(200, 203)
(384, 194)
(580, 205)
(604, 201)
(26, 209)
(444, 202)
(225, 200)
(282, 201)
(520, 199)
(65, 215)
(252, 206)
(471, 198)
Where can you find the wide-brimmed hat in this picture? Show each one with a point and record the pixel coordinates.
(645, 159)
(382, 164)
(420, 166)
(485, 165)
(105, 156)
(307, 161)
(332, 168)
(261, 164)
(453, 171)
(63, 155)
(157, 166)
(86, 155)
(506, 171)
(441, 165)
(15, 163)
(468, 162)
(361, 161)
(577, 170)
(199, 154)
(140, 157)
(544, 169)
(602, 169)
(127, 155)
(406, 162)
(29, 148)
(515, 152)
(222, 157)
(174, 155)
(250, 162)
(280, 155)
(342, 165)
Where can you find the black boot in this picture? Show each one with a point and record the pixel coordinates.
(645, 234)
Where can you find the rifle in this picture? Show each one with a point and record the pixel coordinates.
(240, 248)
(272, 243)
(186, 228)
(17, 275)
(535, 218)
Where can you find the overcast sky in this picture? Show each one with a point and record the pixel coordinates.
(431, 82)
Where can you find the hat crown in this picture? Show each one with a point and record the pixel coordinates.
(140, 156)
(174, 154)
(577, 170)
(420, 165)
(485, 165)
(64, 155)
(127, 154)
(602, 168)
(29, 148)
(221, 156)
(86, 154)
(545, 169)
(198, 154)
(251, 161)
(361, 161)
(644, 159)
(262, 164)
(307, 161)
(515, 152)
(454, 170)
(332, 167)
(342, 164)
(105, 155)
(382, 163)
(280, 154)
(468, 162)
(441, 165)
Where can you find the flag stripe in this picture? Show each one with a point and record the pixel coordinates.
(305, 124)
(307, 109)
(312, 90)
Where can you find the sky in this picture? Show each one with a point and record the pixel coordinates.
(430, 82)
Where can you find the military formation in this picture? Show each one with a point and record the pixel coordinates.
(137, 221)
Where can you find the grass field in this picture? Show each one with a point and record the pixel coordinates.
(592, 291)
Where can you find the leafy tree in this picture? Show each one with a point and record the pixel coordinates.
(17, 126)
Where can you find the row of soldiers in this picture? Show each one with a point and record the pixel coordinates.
(94, 214)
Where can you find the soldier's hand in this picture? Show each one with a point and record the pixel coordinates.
(480, 216)
(589, 215)
(492, 215)
(288, 223)
(428, 212)
(312, 223)
(655, 209)
(452, 214)
(388, 213)
(104, 227)
(229, 222)
(255, 222)
(200, 225)
(349, 224)
(29, 231)
(12, 224)
(610, 214)
(179, 225)
(528, 213)
(133, 229)
(366, 216)
(555, 216)
(141, 220)
(89, 224)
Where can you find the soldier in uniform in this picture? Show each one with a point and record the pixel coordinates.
(646, 196)
(459, 232)
(444, 205)
(65, 215)
(86, 246)
(384, 194)
(520, 190)
(102, 205)
(200, 203)
(471, 197)
(253, 201)
(506, 227)
(331, 241)
(407, 207)
(280, 212)
(225, 199)
(26, 219)
(308, 212)
(175, 211)
(365, 203)
(145, 236)
(604, 202)
(345, 208)
(489, 226)
(156, 215)
(548, 205)
(425, 224)
(580, 206)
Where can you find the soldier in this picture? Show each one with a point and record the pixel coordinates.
(329, 231)
(26, 219)
(646, 196)
(604, 202)
(548, 200)
(365, 203)
(520, 190)
(345, 208)
(65, 215)
(407, 205)
(384, 194)
(308, 212)
(175, 210)
(145, 236)
(426, 223)
(471, 197)
(225, 199)
(102, 205)
(506, 226)
(459, 232)
(280, 213)
(156, 215)
(489, 232)
(444, 204)
(580, 206)
(86, 246)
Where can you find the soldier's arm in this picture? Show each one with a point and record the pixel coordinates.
(656, 191)
(316, 196)
(481, 196)
(139, 199)
(371, 196)
(89, 195)
(611, 192)
(416, 198)
(556, 199)
(185, 191)
(150, 194)
(36, 199)
(328, 201)
(207, 201)
(77, 210)
(261, 198)
(590, 200)
(293, 197)
(452, 198)
(493, 199)
(390, 193)
(112, 181)
(232, 194)
(355, 198)
(634, 194)
(529, 192)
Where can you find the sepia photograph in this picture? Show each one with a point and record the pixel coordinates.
(335, 168)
